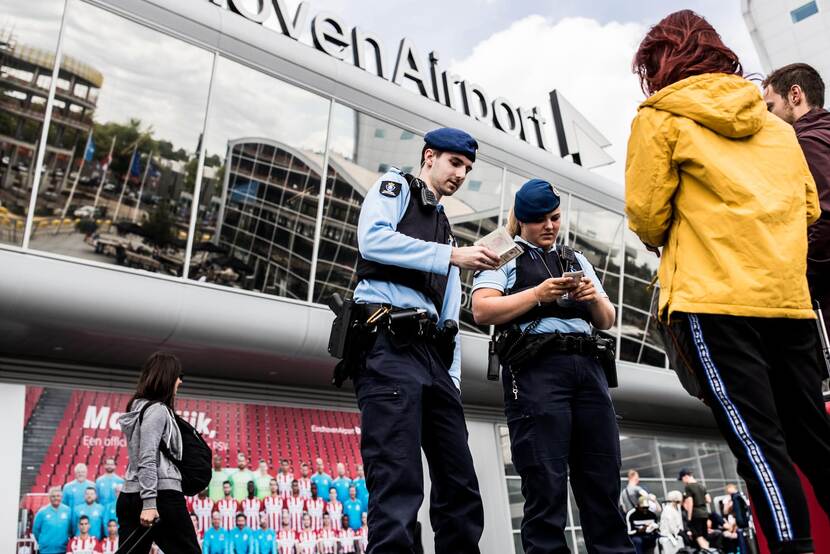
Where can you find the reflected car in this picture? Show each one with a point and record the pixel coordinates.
(84, 212)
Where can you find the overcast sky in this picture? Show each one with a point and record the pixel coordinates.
(517, 49)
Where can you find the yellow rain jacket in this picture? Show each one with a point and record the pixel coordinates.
(723, 187)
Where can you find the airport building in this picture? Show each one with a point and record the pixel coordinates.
(790, 32)
(234, 142)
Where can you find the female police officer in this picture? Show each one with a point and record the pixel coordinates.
(558, 408)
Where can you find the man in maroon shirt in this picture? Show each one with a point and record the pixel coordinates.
(795, 93)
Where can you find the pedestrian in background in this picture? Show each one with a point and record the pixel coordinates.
(722, 186)
(795, 93)
(152, 493)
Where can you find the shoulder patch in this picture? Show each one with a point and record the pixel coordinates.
(390, 188)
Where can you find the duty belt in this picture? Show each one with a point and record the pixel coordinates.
(583, 345)
(412, 322)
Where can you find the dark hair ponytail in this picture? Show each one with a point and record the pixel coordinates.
(157, 382)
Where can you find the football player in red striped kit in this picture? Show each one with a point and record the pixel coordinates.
(315, 506)
(284, 478)
(296, 506)
(304, 481)
(227, 507)
(307, 537)
(346, 535)
(272, 506)
(327, 537)
(334, 507)
(202, 506)
(110, 543)
(83, 543)
(251, 507)
(286, 536)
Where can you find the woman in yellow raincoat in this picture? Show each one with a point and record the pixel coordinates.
(722, 186)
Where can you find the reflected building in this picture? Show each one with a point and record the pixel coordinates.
(25, 75)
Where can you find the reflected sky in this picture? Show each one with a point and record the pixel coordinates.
(147, 75)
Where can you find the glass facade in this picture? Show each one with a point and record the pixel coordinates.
(28, 41)
(657, 458)
(207, 169)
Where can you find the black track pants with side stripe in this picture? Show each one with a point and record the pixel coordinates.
(762, 380)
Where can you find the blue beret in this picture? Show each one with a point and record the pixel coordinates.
(535, 199)
(452, 140)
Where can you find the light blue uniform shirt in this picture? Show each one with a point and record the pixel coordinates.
(265, 541)
(216, 541)
(51, 528)
(95, 512)
(323, 482)
(341, 485)
(380, 242)
(242, 541)
(503, 278)
(105, 487)
(353, 509)
(74, 491)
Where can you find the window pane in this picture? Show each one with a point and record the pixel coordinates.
(676, 456)
(126, 212)
(28, 40)
(263, 162)
(361, 149)
(474, 212)
(640, 454)
(517, 502)
(803, 12)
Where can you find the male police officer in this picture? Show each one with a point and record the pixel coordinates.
(408, 296)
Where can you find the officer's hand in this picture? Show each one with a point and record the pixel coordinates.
(474, 257)
(585, 292)
(148, 517)
(552, 289)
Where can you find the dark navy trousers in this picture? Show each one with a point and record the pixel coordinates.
(408, 402)
(563, 419)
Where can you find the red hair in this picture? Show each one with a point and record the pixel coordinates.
(681, 45)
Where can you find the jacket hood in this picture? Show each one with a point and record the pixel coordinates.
(727, 104)
(129, 420)
(171, 436)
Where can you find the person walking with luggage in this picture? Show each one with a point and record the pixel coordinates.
(151, 507)
(723, 187)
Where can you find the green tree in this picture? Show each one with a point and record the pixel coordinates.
(159, 225)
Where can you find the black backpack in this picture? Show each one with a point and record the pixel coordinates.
(196, 463)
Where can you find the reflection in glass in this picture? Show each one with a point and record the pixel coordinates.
(516, 500)
(641, 341)
(597, 232)
(361, 149)
(676, 455)
(640, 454)
(28, 39)
(125, 138)
(257, 215)
(474, 212)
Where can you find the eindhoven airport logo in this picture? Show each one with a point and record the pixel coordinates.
(330, 35)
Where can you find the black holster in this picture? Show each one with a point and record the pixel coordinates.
(514, 349)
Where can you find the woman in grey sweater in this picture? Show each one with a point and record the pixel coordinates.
(152, 494)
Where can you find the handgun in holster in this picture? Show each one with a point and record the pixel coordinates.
(824, 342)
(339, 339)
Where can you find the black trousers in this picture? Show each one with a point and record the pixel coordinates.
(173, 533)
(761, 378)
(407, 402)
(563, 418)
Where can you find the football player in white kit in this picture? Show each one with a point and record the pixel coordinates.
(346, 535)
(284, 479)
(227, 507)
(315, 506)
(286, 536)
(202, 506)
(251, 507)
(296, 506)
(308, 537)
(272, 505)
